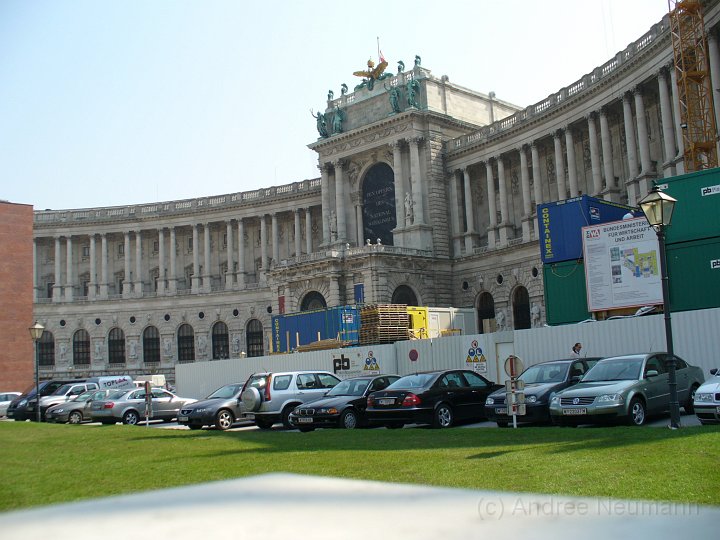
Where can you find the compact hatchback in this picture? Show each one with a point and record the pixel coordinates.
(128, 406)
(271, 397)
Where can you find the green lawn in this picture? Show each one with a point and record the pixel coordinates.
(42, 464)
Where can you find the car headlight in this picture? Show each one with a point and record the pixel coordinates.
(490, 401)
(56, 411)
(531, 399)
(611, 398)
(703, 397)
(22, 403)
(327, 410)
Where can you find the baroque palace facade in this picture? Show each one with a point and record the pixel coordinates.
(427, 196)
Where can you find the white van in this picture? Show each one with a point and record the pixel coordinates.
(155, 380)
(114, 382)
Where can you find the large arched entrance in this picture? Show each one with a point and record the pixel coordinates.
(378, 196)
(404, 295)
(521, 308)
(486, 313)
(313, 300)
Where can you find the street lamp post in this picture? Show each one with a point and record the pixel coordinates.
(658, 209)
(36, 332)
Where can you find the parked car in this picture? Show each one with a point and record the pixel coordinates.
(542, 381)
(625, 388)
(271, 397)
(5, 399)
(128, 406)
(23, 407)
(707, 400)
(65, 393)
(77, 410)
(343, 406)
(222, 409)
(438, 398)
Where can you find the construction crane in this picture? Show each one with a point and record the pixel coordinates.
(697, 114)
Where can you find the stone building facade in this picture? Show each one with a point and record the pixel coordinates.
(426, 196)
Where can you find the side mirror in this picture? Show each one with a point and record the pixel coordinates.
(714, 371)
(651, 373)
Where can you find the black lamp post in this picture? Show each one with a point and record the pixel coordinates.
(658, 209)
(36, 332)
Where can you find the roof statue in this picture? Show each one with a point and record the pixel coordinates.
(372, 73)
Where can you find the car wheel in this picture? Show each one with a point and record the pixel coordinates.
(395, 425)
(306, 429)
(637, 412)
(690, 405)
(348, 419)
(75, 417)
(502, 424)
(224, 419)
(443, 416)
(286, 417)
(130, 418)
(264, 424)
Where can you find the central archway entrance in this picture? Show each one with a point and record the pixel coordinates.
(378, 194)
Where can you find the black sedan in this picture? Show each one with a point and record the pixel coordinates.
(222, 409)
(542, 381)
(438, 398)
(343, 406)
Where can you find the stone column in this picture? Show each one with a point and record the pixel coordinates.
(679, 140)
(492, 210)
(643, 143)
(527, 203)
(230, 273)
(195, 280)
(138, 264)
(667, 124)
(340, 201)
(161, 261)
(559, 166)
(334, 291)
(69, 284)
(454, 203)
(207, 270)
(275, 238)
(308, 231)
(572, 165)
(537, 176)
(611, 192)
(35, 271)
(469, 212)
(326, 205)
(127, 282)
(504, 215)
(594, 155)
(241, 252)
(57, 286)
(360, 224)
(714, 59)
(400, 188)
(92, 286)
(103, 266)
(416, 182)
(298, 243)
(263, 244)
(173, 262)
(630, 181)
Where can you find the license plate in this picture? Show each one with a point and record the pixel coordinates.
(305, 420)
(386, 401)
(574, 412)
(182, 418)
(500, 411)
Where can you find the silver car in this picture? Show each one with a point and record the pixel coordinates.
(129, 406)
(77, 410)
(65, 393)
(707, 400)
(6, 399)
(628, 388)
(222, 409)
(271, 397)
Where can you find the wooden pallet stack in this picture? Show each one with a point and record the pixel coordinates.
(383, 323)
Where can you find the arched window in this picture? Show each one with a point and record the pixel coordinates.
(116, 346)
(46, 349)
(313, 300)
(486, 313)
(521, 308)
(378, 198)
(404, 295)
(186, 343)
(255, 338)
(151, 345)
(220, 341)
(81, 348)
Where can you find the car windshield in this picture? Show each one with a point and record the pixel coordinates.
(64, 389)
(349, 388)
(85, 395)
(544, 373)
(117, 394)
(419, 380)
(226, 392)
(615, 369)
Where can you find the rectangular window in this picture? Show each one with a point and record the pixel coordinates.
(85, 288)
(121, 249)
(50, 286)
(156, 246)
(86, 251)
(190, 243)
(224, 240)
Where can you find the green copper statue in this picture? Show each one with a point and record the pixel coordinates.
(321, 123)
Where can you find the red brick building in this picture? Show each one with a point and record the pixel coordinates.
(16, 296)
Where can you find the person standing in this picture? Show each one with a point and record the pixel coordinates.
(576, 350)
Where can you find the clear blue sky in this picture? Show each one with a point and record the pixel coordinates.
(114, 102)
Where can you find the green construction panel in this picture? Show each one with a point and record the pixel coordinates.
(565, 292)
(694, 274)
(697, 211)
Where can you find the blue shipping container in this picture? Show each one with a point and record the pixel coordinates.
(293, 329)
(560, 225)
